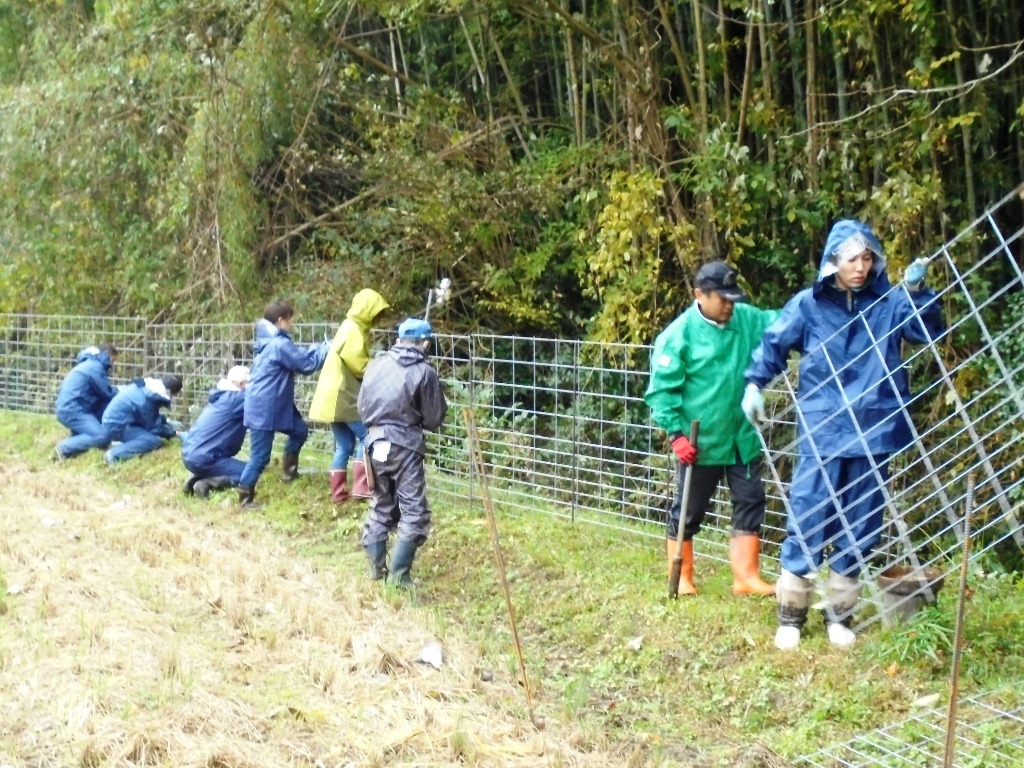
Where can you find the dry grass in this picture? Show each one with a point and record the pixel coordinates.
(137, 635)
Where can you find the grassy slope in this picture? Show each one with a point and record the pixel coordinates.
(705, 687)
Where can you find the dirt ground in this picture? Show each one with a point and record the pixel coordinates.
(138, 633)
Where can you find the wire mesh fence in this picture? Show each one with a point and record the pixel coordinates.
(564, 429)
(989, 732)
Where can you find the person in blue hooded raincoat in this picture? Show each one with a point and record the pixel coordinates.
(135, 419)
(270, 397)
(208, 449)
(84, 394)
(851, 402)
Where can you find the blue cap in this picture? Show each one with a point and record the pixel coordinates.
(414, 328)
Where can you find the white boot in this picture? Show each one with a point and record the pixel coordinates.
(794, 595)
(840, 636)
(842, 595)
(787, 638)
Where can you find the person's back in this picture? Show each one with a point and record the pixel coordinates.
(136, 405)
(86, 389)
(135, 419)
(219, 431)
(400, 397)
(208, 450)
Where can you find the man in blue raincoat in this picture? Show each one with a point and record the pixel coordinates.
(851, 403)
(134, 418)
(208, 449)
(270, 397)
(84, 394)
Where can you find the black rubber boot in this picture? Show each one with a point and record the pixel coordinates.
(247, 498)
(401, 563)
(290, 467)
(190, 484)
(203, 487)
(377, 553)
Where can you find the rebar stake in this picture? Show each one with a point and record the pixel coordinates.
(499, 559)
(958, 635)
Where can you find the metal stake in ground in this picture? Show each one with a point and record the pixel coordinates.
(499, 559)
(958, 635)
(677, 561)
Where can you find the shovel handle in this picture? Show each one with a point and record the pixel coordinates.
(677, 560)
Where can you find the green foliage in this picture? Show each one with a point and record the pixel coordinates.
(189, 157)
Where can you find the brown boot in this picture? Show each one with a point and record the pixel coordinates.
(339, 486)
(745, 559)
(289, 466)
(360, 488)
(686, 573)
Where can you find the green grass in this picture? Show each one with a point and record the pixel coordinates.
(701, 676)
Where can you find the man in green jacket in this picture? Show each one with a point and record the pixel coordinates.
(697, 373)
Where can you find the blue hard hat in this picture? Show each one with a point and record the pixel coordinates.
(414, 328)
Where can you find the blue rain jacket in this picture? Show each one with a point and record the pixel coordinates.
(857, 334)
(270, 393)
(87, 388)
(137, 406)
(220, 429)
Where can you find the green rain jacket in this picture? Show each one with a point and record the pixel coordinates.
(697, 373)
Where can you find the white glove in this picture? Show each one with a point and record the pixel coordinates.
(753, 404)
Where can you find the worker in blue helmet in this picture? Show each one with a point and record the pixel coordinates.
(399, 401)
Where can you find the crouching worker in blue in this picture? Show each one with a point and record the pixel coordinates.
(133, 417)
(400, 398)
(848, 328)
(270, 397)
(208, 449)
(84, 395)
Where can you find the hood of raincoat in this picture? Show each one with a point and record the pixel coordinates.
(265, 331)
(847, 239)
(94, 353)
(366, 305)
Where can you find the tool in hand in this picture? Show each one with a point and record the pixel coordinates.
(677, 561)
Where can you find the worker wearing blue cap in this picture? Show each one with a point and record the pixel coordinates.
(400, 398)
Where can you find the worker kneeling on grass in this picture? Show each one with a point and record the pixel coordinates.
(208, 449)
(400, 398)
(134, 418)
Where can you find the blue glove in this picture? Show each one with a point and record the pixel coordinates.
(916, 273)
(753, 404)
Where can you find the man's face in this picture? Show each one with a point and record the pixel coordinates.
(853, 273)
(285, 324)
(714, 306)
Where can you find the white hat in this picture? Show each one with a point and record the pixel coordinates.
(238, 375)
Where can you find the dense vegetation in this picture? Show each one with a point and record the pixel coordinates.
(566, 162)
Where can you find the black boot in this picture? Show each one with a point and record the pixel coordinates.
(203, 487)
(377, 554)
(401, 563)
(247, 498)
(290, 465)
(190, 484)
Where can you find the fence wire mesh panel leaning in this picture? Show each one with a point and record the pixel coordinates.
(989, 732)
(37, 351)
(963, 417)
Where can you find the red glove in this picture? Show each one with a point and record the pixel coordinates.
(684, 450)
